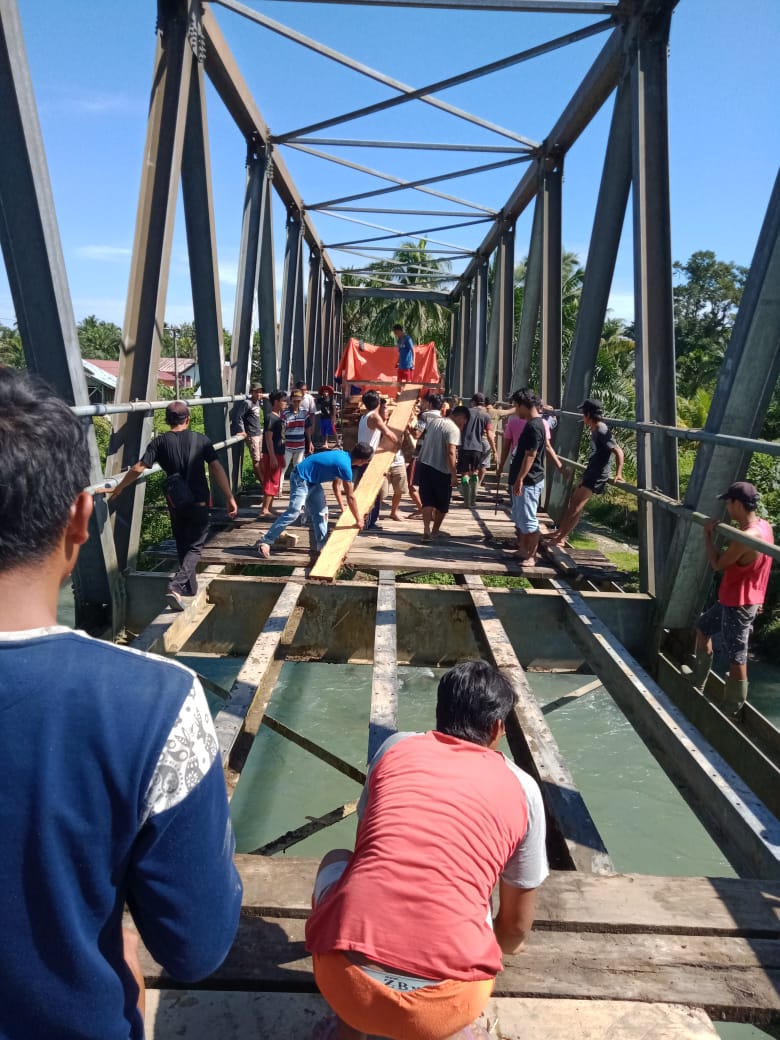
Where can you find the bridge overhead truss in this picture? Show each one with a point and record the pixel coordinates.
(303, 340)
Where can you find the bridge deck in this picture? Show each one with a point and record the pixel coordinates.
(699, 943)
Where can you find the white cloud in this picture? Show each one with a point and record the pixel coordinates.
(621, 305)
(112, 254)
(228, 273)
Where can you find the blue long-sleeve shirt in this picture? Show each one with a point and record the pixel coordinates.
(112, 792)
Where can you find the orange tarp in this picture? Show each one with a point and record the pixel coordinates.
(367, 363)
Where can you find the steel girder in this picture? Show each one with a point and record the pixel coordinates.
(314, 321)
(477, 332)
(204, 264)
(498, 357)
(150, 265)
(552, 253)
(292, 343)
(532, 296)
(654, 304)
(602, 253)
(38, 281)
(742, 396)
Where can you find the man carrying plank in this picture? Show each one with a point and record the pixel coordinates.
(306, 491)
(402, 935)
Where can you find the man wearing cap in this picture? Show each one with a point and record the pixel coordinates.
(183, 454)
(597, 473)
(740, 595)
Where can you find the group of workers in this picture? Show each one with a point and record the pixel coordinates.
(115, 794)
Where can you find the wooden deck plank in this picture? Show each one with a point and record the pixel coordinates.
(383, 720)
(192, 1015)
(344, 533)
(231, 719)
(733, 979)
(565, 804)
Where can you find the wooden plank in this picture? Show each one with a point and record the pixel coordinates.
(563, 801)
(344, 533)
(745, 829)
(571, 900)
(194, 1015)
(245, 691)
(383, 720)
(732, 979)
(170, 630)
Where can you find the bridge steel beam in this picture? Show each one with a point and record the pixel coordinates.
(532, 297)
(291, 333)
(198, 201)
(498, 356)
(362, 292)
(744, 390)
(477, 332)
(552, 253)
(329, 354)
(314, 321)
(654, 304)
(38, 281)
(338, 323)
(599, 269)
(150, 264)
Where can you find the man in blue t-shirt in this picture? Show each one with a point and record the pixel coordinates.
(306, 482)
(113, 793)
(405, 364)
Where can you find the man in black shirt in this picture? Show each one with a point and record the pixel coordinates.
(526, 475)
(273, 457)
(246, 420)
(602, 447)
(183, 452)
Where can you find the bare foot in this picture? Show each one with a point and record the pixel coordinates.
(395, 516)
(264, 550)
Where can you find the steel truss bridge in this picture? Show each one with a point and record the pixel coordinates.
(304, 339)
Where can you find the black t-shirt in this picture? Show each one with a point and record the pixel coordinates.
(275, 427)
(532, 438)
(325, 407)
(602, 444)
(474, 430)
(184, 453)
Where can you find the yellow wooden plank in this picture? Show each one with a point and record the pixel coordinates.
(344, 533)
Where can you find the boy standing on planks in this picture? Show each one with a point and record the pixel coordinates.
(113, 787)
(402, 934)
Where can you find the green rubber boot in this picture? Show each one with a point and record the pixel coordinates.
(735, 695)
(697, 668)
(473, 488)
(464, 489)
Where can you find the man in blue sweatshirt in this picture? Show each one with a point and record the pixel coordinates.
(113, 793)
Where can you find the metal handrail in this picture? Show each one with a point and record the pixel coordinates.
(83, 410)
(671, 505)
(727, 439)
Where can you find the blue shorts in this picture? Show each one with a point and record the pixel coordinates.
(525, 506)
(326, 427)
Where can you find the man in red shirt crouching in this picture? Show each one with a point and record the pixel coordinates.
(402, 935)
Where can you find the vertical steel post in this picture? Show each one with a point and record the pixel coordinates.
(266, 285)
(204, 263)
(477, 335)
(654, 310)
(313, 372)
(532, 295)
(465, 327)
(744, 390)
(506, 318)
(452, 347)
(600, 266)
(39, 288)
(150, 265)
(552, 251)
(328, 345)
(338, 324)
(489, 374)
(291, 345)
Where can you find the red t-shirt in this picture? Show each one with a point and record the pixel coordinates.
(442, 820)
(744, 585)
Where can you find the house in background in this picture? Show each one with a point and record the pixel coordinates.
(102, 376)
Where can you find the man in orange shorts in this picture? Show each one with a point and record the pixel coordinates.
(402, 935)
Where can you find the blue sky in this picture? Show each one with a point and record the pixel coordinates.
(91, 66)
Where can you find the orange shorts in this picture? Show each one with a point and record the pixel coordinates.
(431, 1013)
